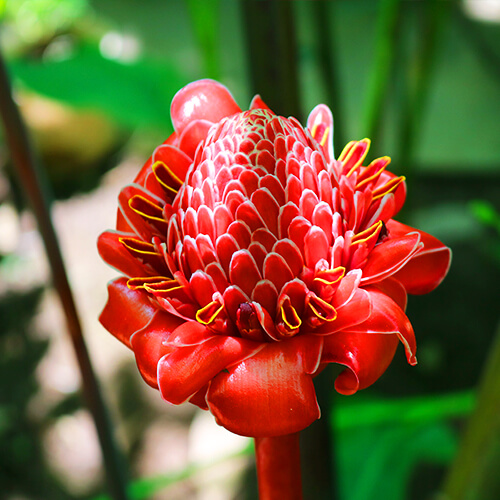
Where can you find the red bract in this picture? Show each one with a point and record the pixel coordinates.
(252, 258)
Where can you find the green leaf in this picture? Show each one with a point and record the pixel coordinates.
(361, 412)
(486, 213)
(137, 93)
(381, 439)
(377, 462)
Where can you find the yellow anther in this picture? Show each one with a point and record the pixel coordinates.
(367, 233)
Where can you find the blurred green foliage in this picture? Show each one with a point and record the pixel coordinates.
(23, 469)
(133, 94)
(437, 116)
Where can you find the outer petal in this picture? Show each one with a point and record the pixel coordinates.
(399, 192)
(388, 318)
(114, 253)
(353, 312)
(177, 161)
(258, 103)
(202, 100)
(427, 268)
(395, 290)
(389, 257)
(366, 357)
(270, 393)
(187, 369)
(126, 310)
(150, 344)
(193, 133)
(139, 225)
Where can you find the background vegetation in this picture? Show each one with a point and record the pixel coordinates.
(94, 80)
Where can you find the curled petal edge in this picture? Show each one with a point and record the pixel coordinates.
(365, 356)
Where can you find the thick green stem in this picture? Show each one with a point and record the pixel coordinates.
(31, 181)
(474, 473)
(278, 467)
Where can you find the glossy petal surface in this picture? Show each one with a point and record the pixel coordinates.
(275, 394)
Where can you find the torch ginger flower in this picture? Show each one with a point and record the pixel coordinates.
(252, 258)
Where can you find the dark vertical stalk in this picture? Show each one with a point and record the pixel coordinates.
(417, 88)
(31, 182)
(417, 75)
(318, 443)
(385, 43)
(272, 54)
(328, 66)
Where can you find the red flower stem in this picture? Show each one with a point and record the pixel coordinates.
(278, 467)
(31, 180)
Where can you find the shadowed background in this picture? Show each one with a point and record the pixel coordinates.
(94, 80)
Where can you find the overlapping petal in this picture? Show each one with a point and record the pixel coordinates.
(427, 269)
(150, 344)
(270, 393)
(186, 369)
(365, 356)
(126, 310)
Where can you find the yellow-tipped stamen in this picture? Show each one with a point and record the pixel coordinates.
(156, 211)
(295, 317)
(367, 233)
(325, 306)
(376, 174)
(138, 246)
(346, 150)
(339, 269)
(360, 160)
(314, 128)
(325, 137)
(142, 283)
(160, 164)
(388, 187)
(207, 308)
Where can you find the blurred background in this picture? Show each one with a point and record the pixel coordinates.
(94, 80)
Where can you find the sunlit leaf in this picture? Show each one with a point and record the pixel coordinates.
(135, 93)
(362, 413)
(380, 442)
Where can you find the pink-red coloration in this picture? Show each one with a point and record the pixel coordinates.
(252, 258)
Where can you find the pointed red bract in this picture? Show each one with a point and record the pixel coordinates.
(253, 258)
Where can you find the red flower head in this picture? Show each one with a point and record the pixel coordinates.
(252, 258)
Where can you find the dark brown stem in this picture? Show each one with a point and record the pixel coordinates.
(328, 66)
(278, 467)
(30, 177)
(272, 54)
